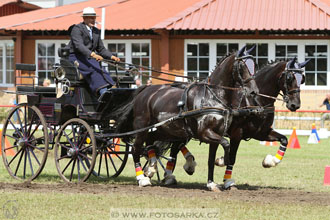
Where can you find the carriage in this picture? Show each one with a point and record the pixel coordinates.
(68, 119)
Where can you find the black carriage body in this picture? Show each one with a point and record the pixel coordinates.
(55, 110)
(74, 124)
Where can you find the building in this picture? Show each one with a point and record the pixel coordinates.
(186, 36)
(9, 7)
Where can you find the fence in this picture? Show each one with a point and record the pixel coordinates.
(301, 119)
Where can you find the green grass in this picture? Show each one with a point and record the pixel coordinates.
(89, 206)
(301, 170)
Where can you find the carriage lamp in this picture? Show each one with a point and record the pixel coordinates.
(60, 73)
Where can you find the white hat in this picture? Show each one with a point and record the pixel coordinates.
(89, 11)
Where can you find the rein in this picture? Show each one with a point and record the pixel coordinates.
(134, 70)
(286, 92)
(110, 62)
(190, 113)
(270, 97)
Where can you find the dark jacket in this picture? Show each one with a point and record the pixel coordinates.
(327, 104)
(81, 44)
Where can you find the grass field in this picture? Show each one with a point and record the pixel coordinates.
(300, 173)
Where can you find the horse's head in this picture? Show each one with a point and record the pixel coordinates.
(243, 71)
(289, 81)
(222, 74)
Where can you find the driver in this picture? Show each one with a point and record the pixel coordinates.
(87, 49)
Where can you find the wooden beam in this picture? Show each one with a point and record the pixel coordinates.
(18, 54)
(164, 52)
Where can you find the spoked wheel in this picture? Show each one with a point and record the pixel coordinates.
(75, 151)
(111, 158)
(24, 142)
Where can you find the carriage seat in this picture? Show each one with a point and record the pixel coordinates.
(124, 81)
(76, 78)
(71, 71)
(36, 89)
(45, 89)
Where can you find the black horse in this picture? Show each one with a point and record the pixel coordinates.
(206, 114)
(246, 62)
(281, 76)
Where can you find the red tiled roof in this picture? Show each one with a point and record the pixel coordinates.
(252, 15)
(120, 15)
(59, 18)
(326, 2)
(183, 15)
(3, 2)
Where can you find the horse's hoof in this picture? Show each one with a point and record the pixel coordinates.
(228, 184)
(212, 186)
(220, 162)
(268, 161)
(190, 165)
(145, 181)
(169, 180)
(149, 171)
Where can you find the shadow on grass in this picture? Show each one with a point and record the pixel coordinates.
(251, 188)
(92, 179)
(131, 180)
(202, 186)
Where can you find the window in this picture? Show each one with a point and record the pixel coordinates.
(7, 76)
(285, 52)
(46, 60)
(141, 56)
(260, 54)
(131, 51)
(316, 68)
(198, 59)
(202, 55)
(224, 48)
(119, 50)
(46, 57)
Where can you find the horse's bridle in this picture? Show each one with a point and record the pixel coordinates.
(243, 59)
(243, 82)
(289, 75)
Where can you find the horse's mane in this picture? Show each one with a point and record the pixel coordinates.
(221, 60)
(265, 68)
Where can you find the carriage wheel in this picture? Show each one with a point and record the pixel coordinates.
(24, 142)
(111, 158)
(75, 151)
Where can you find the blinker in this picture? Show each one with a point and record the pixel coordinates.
(250, 65)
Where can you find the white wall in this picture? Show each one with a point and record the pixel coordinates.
(52, 3)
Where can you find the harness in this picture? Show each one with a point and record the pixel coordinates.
(184, 113)
(286, 76)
